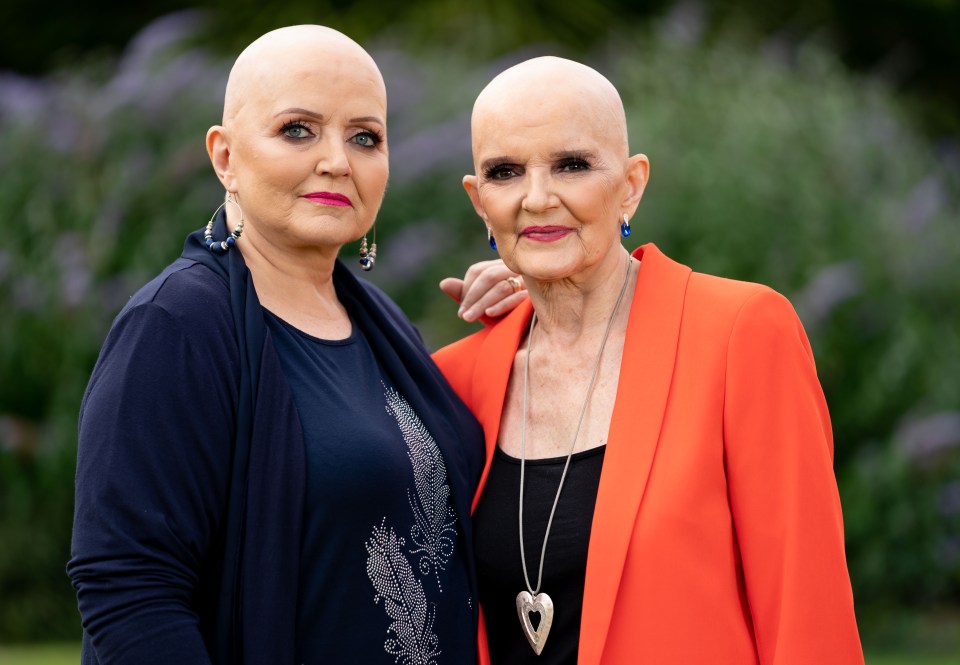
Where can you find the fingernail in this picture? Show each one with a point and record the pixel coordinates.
(469, 315)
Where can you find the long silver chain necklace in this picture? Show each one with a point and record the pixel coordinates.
(530, 599)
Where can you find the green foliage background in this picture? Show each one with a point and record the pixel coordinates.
(770, 162)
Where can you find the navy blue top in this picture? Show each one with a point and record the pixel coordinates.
(383, 559)
(191, 476)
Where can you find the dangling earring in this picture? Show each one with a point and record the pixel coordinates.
(625, 226)
(221, 246)
(491, 239)
(368, 256)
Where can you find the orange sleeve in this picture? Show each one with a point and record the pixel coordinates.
(457, 362)
(779, 456)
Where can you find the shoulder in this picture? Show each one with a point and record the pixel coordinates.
(176, 330)
(380, 297)
(750, 323)
(716, 298)
(391, 311)
(728, 296)
(188, 292)
(187, 306)
(184, 311)
(733, 317)
(460, 360)
(733, 304)
(465, 350)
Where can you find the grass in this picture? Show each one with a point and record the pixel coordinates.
(69, 654)
(40, 654)
(909, 659)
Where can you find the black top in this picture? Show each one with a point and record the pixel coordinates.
(383, 576)
(499, 571)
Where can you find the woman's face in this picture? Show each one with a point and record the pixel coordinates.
(553, 181)
(307, 151)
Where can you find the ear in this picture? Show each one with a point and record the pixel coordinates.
(218, 148)
(638, 173)
(470, 184)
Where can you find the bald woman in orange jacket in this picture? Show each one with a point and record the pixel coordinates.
(668, 425)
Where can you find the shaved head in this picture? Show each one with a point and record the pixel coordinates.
(553, 179)
(542, 85)
(256, 70)
(304, 124)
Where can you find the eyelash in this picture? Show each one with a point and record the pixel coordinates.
(503, 171)
(298, 124)
(375, 136)
(580, 162)
(493, 172)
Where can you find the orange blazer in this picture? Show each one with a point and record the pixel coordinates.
(717, 536)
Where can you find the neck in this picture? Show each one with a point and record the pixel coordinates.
(296, 285)
(570, 309)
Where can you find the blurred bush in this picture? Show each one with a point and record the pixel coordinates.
(770, 165)
(104, 170)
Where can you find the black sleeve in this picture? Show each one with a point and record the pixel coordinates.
(156, 433)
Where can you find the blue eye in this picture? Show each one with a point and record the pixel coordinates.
(295, 130)
(366, 139)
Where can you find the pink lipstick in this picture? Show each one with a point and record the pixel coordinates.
(546, 233)
(329, 198)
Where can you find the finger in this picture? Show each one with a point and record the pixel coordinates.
(506, 305)
(480, 272)
(453, 287)
(477, 284)
(497, 292)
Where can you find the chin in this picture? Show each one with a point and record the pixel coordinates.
(326, 232)
(544, 271)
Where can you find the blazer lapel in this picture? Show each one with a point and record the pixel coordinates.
(491, 377)
(646, 371)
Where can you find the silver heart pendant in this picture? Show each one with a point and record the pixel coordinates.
(542, 605)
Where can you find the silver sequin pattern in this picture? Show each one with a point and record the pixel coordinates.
(411, 640)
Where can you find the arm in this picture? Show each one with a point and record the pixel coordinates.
(786, 508)
(153, 460)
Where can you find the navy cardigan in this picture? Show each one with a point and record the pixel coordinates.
(190, 469)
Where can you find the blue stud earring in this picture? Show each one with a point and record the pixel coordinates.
(491, 239)
(625, 226)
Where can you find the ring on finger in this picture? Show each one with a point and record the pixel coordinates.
(514, 283)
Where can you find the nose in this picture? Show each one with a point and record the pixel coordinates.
(539, 195)
(332, 158)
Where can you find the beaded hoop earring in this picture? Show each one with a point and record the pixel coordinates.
(368, 256)
(221, 246)
(625, 226)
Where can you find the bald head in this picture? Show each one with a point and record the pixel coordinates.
(305, 111)
(260, 66)
(541, 87)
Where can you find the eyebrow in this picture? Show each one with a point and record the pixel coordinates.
(295, 109)
(568, 154)
(554, 156)
(367, 118)
(320, 116)
(497, 161)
